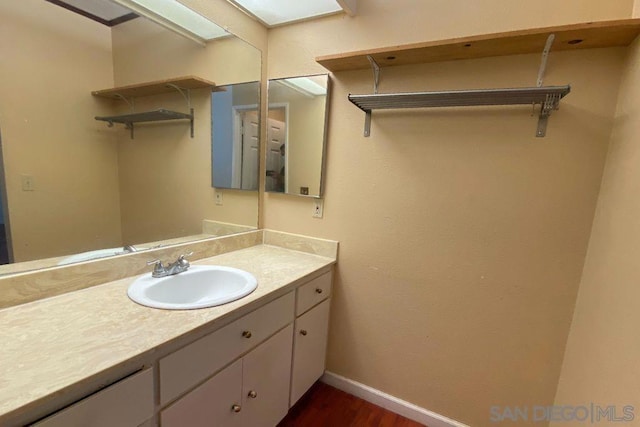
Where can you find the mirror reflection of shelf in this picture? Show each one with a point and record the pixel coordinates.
(182, 85)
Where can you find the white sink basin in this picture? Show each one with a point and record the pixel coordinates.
(200, 286)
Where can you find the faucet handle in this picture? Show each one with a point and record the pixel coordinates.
(157, 266)
(182, 262)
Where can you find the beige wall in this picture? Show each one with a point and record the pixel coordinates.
(51, 61)
(601, 362)
(462, 236)
(165, 175)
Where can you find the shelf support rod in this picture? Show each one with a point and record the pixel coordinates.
(545, 56)
(376, 81)
(130, 102)
(376, 73)
(186, 94)
(552, 102)
(191, 121)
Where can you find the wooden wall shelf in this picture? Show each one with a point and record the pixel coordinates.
(155, 88)
(568, 37)
(182, 85)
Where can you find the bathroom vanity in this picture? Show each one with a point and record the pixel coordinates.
(95, 358)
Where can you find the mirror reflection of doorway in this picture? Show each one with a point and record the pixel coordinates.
(246, 149)
(235, 136)
(277, 149)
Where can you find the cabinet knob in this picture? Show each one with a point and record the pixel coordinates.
(303, 332)
(246, 334)
(236, 408)
(318, 291)
(252, 394)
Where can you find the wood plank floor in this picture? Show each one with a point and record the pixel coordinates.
(326, 406)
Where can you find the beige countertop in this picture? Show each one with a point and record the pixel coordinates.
(50, 345)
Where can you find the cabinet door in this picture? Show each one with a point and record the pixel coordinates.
(126, 403)
(210, 404)
(309, 349)
(266, 379)
(187, 367)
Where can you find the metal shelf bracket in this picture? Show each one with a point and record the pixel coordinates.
(186, 93)
(130, 101)
(543, 60)
(552, 101)
(376, 81)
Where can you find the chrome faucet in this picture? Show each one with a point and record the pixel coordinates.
(127, 249)
(180, 265)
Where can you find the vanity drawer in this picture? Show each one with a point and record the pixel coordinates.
(312, 293)
(195, 362)
(127, 403)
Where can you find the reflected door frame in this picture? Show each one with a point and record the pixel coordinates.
(283, 106)
(236, 170)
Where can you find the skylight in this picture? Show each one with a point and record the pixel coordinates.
(176, 17)
(277, 12)
(101, 11)
(311, 85)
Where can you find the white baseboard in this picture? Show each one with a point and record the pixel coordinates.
(377, 397)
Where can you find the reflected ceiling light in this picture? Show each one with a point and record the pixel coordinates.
(278, 12)
(305, 85)
(176, 17)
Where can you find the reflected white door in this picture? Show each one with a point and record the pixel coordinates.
(250, 150)
(276, 137)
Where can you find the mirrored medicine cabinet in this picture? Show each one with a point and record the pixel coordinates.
(296, 134)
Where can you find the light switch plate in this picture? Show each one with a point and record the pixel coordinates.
(218, 197)
(27, 183)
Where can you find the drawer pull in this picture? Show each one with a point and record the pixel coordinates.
(318, 291)
(303, 332)
(252, 394)
(236, 408)
(246, 334)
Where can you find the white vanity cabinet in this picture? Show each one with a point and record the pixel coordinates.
(192, 364)
(247, 373)
(310, 334)
(127, 403)
(252, 392)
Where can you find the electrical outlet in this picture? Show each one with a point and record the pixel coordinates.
(317, 208)
(27, 183)
(218, 197)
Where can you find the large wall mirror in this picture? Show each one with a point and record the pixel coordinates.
(76, 189)
(296, 134)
